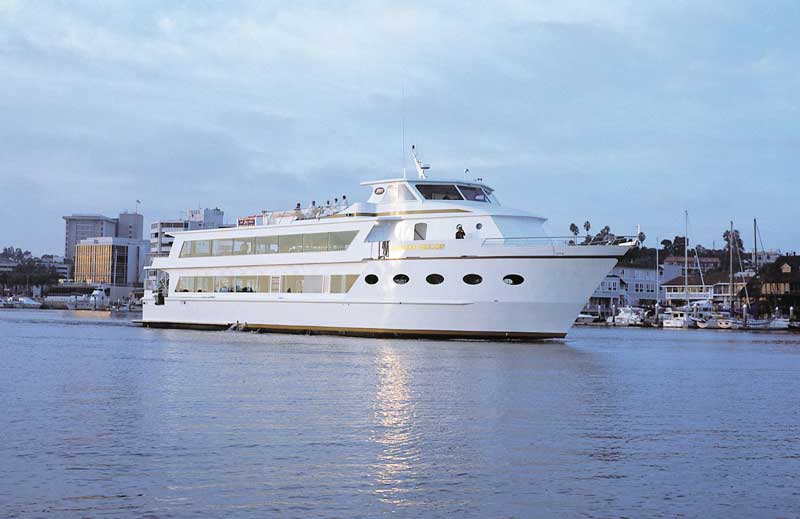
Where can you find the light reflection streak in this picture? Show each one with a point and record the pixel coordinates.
(394, 412)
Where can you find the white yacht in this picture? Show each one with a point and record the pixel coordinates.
(676, 318)
(627, 316)
(418, 258)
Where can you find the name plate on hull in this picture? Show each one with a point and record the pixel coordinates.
(419, 246)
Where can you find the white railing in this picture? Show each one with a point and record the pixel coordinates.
(561, 241)
(290, 215)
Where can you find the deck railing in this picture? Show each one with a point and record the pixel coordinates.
(561, 241)
(290, 215)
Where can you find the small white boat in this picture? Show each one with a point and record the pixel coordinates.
(627, 316)
(750, 324)
(98, 300)
(585, 319)
(676, 318)
(27, 302)
(779, 323)
(716, 321)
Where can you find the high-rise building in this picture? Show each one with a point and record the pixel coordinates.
(117, 262)
(160, 231)
(79, 227)
(205, 218)
(130, 225)
(82, 226)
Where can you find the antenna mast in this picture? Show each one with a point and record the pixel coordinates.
(421, 168)
(403, 128)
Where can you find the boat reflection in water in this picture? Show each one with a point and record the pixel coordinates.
(394, 432)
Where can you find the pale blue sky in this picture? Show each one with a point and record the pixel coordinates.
(619, 112)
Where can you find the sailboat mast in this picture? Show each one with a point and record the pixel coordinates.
(755, 245)
(730, 267)
(686, 255)
(657, 280)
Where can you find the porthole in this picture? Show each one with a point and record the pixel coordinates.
(371, 279)
(513, 279)
(479, 226)
(473, 279)
(435, 279)
(401, 279)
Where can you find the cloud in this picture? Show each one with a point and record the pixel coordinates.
(624, 112)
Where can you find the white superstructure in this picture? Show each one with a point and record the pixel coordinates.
(392, 266)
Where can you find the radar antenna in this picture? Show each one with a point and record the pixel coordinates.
(421, 168)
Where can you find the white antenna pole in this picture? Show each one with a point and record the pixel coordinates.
(403, 128)
(419, 165)
(686, 257)
(658, 289)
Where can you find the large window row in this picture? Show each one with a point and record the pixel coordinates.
(315, 284)
(288, 243)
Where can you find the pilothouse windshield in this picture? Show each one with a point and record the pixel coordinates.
(452, 192)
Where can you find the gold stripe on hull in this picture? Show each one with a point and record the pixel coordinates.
(367, 332)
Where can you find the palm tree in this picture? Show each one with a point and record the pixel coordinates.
(587, 226)
(574, 229)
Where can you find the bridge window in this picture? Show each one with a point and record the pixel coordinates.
(473, 193)
(439, 192)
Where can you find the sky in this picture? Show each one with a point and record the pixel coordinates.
(622, 113)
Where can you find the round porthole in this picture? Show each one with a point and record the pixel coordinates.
(473, 279)
(435, 279)
(371, 279)
(513, 279)
(379, 190)
(479, 226)
(401, 279)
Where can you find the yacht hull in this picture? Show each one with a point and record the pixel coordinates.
(544, 306)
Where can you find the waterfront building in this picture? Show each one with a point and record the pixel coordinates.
(628, 285)
(765, 257)
(130, 226)
(418, 258)
(777, 285)
(79, 227)
(707, 263)
(161, 238)
(7, 265)
(713, 287)
(116, 262)
(58, 263)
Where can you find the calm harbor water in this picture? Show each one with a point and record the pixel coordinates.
(102, 418)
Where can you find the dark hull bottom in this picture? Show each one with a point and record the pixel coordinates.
(364, 332)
